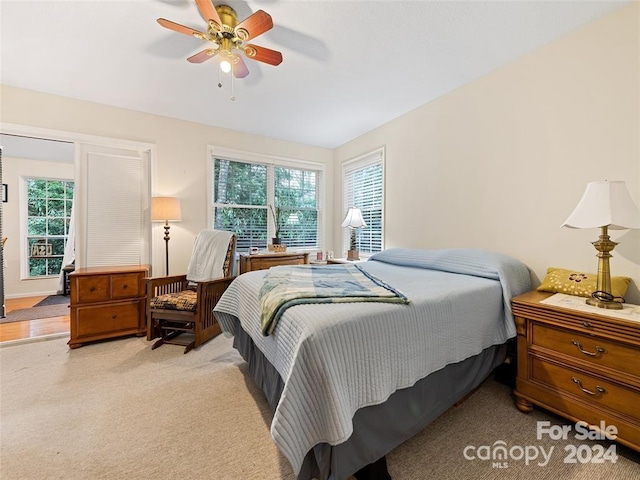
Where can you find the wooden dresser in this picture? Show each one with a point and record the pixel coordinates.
(262, 261)
(107, 302)
(584, 366)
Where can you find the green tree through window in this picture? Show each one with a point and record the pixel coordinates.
(243, 193)
(48, 217)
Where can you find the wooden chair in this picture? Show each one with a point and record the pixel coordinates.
(176, 306)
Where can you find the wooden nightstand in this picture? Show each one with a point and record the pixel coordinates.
(262, 261)
(582, 365)
(107, 302)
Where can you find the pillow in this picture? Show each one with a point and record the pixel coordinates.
(559, 280)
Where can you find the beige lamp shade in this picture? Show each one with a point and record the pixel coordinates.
(605, 204)
(165, 209)
(354, 219)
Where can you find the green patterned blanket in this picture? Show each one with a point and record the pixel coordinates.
(286, 286)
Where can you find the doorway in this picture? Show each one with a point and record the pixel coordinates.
(82, 152)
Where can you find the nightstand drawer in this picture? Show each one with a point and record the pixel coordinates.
(591, 389)
(125, 286)
(596, 351)
(110, 319)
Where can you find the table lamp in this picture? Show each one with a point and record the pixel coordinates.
(166, 209)
(604, 205)
(353, 220)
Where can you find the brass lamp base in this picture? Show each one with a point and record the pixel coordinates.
(353, 255)
(602, 297)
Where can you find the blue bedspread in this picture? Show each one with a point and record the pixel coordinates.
(338, 358)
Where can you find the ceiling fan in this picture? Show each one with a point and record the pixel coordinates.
(226, 37)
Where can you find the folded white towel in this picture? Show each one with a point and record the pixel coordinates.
(207, 258)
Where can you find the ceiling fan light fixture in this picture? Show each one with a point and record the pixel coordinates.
(225, 66)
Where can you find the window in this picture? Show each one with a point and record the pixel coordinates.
(48, 215)
(363, 180)
(249, 198)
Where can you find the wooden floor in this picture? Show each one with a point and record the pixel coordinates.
(31, 328)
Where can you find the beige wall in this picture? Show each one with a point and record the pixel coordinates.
(497, 164)
(181, 148)
(501, 162)
(13, 169)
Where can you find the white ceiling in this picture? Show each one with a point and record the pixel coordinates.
(349, 66)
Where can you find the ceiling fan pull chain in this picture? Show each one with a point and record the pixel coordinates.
(233, 95)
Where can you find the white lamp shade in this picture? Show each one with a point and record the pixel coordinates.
(603, 204)
(165, 209)
(354, 219)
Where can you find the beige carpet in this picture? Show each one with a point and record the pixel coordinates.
(117, 410)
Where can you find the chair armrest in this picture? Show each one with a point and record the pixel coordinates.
(160, 285)
(210, 292)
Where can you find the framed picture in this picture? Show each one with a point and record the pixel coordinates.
(5, 192)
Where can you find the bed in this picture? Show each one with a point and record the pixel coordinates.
(348, 382)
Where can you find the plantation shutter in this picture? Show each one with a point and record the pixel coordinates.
(111, 205)
(115, 203)
(363, 188)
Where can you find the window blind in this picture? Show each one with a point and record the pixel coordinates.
(363, 180)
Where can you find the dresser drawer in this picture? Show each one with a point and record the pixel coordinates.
(125, 286)
(250, 263)
(589, 388)
(597, 351)
(92, 289)
(107, 319)
(265, 263)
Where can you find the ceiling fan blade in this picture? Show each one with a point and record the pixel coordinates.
(240, 69)
(208, 11)
(254, 25)
(176, 27)
(202, 56)
(263, 54)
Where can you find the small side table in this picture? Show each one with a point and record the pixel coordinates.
(66, 283)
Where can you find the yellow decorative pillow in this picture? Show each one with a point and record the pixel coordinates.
(560, 280)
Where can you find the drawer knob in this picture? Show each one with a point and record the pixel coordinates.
(599, 389)
(598, 351)
(92, 289)
(114, 316)
(124, 287)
